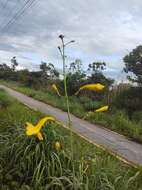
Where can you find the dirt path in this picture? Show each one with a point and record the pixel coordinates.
(111, 141)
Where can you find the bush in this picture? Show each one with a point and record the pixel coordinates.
(137, 116)
(129, 99)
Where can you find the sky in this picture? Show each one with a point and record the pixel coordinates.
(103, 30)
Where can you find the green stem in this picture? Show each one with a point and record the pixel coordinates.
(67, 102)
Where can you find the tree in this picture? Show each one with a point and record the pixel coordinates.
(129, 99)
(76, 66)
(52, 72)
(75, 77)
(133, 65)
(48, 71)
(5, 71)
(14, 63)
(35, 80)
(96, 67)
(97, 75)
(44, 69)
(74, 81)
(23, 76)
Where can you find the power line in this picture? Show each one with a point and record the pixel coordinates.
(21, 12)
(9, 12)
(18, 14)
(7, 15)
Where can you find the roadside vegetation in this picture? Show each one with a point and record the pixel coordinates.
(27, 163)
(116, 119)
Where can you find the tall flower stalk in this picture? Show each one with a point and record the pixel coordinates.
(62, 52)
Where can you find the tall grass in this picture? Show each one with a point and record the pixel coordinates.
(26, 163)
(4, 99)
(119, 122)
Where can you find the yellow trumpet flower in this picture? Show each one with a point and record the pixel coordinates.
(96, 87)
(35, 130)
(56, 89)
(102, 109)
(57, 146)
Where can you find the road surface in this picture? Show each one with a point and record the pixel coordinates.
(115, 143)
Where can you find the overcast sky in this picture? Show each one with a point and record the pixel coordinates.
(104, 30)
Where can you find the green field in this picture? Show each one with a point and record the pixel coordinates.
(27, 163)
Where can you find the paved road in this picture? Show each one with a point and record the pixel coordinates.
(111, 141)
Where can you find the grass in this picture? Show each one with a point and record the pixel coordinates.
(49, 98)
(29, 164)
(4, 100)
(119, 122)
(115, 120)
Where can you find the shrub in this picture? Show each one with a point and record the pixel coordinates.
(137, 116)
(129, 99)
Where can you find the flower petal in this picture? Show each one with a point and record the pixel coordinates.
(39, 136)
(56, 89)
(43, 121)
(29, 129)
(102, 109)
(96, 87)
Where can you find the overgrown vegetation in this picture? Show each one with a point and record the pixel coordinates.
(27, 163)
(116, 118)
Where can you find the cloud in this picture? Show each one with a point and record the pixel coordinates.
(103, 30)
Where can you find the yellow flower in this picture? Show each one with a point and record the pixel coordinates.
(96, 87)
(102, 109)
(35, 130)
(57, 146)
(56, 89)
